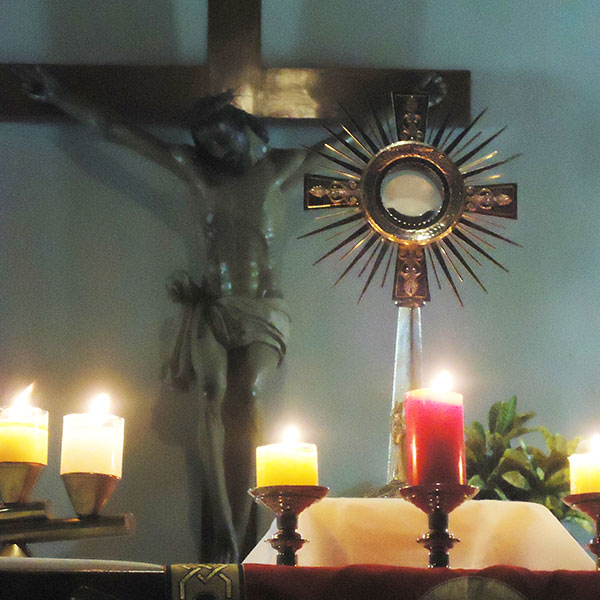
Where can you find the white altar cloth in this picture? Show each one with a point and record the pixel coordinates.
(17, 563)
(383, 531)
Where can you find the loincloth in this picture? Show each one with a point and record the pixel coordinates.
(235, 321)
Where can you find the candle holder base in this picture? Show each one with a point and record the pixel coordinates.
(17, 480)
(31, 522)
(287, 502)
(14, 551)
(437, 501)
(89, 492)
(23, 523)
(588, 504)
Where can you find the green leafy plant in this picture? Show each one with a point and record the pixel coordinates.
(504, 471)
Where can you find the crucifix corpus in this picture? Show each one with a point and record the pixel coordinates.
(235, 322)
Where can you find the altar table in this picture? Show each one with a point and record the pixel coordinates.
(33, 579)
(347, 531)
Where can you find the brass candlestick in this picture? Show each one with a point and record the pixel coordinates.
(17, 480)
(437, 500)
(23, 522)
(89, 492)
(588, 504)
(287, 502)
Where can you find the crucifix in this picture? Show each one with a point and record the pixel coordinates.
(234, 326)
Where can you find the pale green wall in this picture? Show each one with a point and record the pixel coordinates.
(89, 234)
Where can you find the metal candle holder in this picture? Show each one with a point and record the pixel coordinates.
(23, 522)
(438, 500)
(287, 502)
(588, 504)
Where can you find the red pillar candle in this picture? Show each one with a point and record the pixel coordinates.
(435, 437)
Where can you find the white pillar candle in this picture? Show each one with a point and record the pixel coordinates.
(92, 442)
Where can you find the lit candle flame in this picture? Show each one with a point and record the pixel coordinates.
(21, 400)
(443, 382)
(20, 404)
(594, 444)
(100, 405)
(291, 435)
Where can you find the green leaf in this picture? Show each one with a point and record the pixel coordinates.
(517, 480)
(506, 416)
(555, 505)
(558, 481)
(515, 459)
(573, 516)
(523, 445)
(518, 428)
(493, 416)
(520, 420)
(496, 446)
(475, 438)
(522, 473)
(477, 481)
(554, 441)
(471, 455)
(572, 446)
(477, 431)
(519, 431)
(548, 437)
(535, 456)
(501, 494)
(502, 415)
(555, 461)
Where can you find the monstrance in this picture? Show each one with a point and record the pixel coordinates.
(416, 196)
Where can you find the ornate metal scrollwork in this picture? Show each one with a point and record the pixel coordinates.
(499, 200)
(221, 582)
(418, 196)
(411, 288)
(324, 192)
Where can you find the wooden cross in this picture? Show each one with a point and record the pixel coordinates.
(163, 94)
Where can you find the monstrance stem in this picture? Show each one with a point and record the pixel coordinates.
(408, 362)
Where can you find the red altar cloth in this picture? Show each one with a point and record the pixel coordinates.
(366, 582)
(47, 579)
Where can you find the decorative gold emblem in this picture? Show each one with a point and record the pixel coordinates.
(411, 269)
(412, 122)
(422, 197)
(485, 199)
(222, 582)
(398, 424)
(338, 192)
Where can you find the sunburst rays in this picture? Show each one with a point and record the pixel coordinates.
(456, 252)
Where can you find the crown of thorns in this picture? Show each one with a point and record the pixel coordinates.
(206, 107)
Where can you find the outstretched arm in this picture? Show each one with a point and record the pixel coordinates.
(42, 86)
(293, 164)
